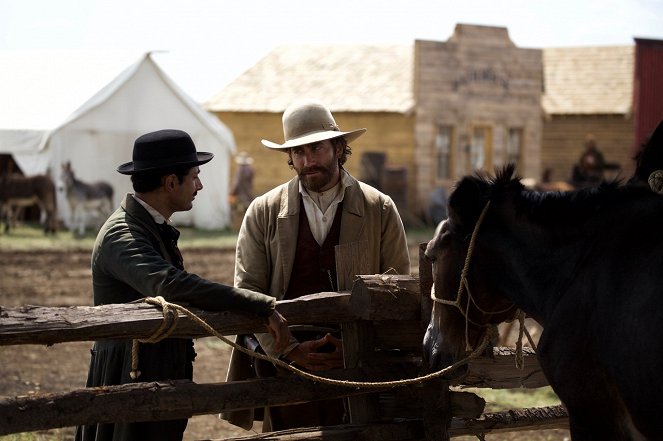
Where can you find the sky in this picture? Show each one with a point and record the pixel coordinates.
(205, 44)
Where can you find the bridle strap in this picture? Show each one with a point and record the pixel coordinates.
(466, 267)
(464, 285)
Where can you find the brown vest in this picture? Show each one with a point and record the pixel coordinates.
(314, 269)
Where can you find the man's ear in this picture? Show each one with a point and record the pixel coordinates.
(339, 150)
(169, 182)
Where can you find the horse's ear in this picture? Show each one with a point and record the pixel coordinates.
(467, 201)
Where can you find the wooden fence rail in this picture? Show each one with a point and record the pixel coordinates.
(385, 311)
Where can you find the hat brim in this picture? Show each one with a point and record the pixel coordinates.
(314, 137)
(129, 167)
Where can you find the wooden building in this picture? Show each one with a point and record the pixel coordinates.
(364, 85)
(588, 92)
(438, 110)
(434, 110)
(478, 106)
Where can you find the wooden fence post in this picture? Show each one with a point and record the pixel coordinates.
(436, 397)
(358, 336)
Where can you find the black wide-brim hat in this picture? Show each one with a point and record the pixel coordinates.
(163, 149)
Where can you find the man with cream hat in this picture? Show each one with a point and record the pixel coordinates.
(286, 243)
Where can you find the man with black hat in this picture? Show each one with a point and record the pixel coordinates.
(286, 244)
(135, 256)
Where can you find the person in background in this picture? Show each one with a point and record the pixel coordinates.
(135, 256)
(285, 248)
(590, 167)
(241, 190)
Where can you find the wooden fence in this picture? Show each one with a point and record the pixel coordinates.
(383, 318)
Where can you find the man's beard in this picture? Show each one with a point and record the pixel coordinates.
(316, 182)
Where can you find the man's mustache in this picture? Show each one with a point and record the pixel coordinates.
(312, 170)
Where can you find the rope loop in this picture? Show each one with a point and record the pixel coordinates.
(168, 325)
(168, 307)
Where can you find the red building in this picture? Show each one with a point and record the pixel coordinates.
(647, 88)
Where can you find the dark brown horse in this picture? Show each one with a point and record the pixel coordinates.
(17, 192)
(587, 265)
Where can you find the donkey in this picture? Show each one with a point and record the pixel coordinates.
(85, 200)
(17, 192)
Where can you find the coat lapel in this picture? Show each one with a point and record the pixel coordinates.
(352, 222)
(287, 226)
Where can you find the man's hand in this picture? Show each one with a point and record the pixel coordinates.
(306, 356)
(277, 325)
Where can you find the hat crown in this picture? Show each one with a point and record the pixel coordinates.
(307, 117)
(161, 149)
(309, 121)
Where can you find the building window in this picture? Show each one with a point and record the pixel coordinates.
(478, 148)
(443, 152)
(514, 146)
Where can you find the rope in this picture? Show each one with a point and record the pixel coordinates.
(168, 325)
(169, 308)
(520, 361)
(464, 285)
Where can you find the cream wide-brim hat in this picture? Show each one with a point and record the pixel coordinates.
(306, 122)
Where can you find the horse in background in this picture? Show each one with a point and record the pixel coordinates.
(85, 200)
(586, 265)
(18, 192)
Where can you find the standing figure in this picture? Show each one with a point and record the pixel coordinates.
(590, 167)
(285, 247)
(241, 191)
(135, 256)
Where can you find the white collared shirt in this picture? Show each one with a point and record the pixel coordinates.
(158, 217)
(321, 207)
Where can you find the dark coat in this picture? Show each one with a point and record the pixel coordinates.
(130, 261)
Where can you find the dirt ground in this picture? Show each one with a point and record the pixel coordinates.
(52, 278)
(63, 279)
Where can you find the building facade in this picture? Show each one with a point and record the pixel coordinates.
(438, 110)
(478, 106)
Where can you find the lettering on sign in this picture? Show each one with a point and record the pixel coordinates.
(487, 76)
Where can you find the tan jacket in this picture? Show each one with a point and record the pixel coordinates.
(267, 242)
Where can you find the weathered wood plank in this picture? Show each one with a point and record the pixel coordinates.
(394, 297)
(386, 297)
(397, 431)
(48, 325)
(536, 418)
(351, 259)
(178, 399)
(554, 417)
(500, 371)
(157, 401)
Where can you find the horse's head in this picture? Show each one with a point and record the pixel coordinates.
(465, 302)
(66, 177)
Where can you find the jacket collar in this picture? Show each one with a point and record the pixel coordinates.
(352, 200)
(139, 214)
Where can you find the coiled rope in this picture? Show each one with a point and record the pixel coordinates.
(169, 323)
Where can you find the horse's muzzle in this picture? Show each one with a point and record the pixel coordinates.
(437, 355)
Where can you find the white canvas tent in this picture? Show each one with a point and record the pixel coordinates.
(88, 109)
